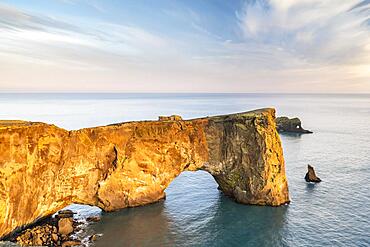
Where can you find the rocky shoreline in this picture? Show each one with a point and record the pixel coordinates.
(57, 231)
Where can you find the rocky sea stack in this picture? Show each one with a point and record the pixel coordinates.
(311, 175)
(44, 168)
(290, 125)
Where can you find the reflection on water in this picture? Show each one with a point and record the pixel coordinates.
(195, 213)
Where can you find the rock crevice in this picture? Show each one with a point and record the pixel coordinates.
(44, 168)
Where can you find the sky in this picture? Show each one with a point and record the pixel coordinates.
(273, 46)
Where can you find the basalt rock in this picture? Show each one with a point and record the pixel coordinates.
(311, 175)
(93, 219)
(293, 125)
(65, 214)
(44, 168)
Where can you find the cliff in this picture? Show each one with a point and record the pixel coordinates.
(44, 168)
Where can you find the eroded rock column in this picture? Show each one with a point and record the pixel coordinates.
(246, 158)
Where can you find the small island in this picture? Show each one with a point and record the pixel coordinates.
(290, 125)
(311, 175)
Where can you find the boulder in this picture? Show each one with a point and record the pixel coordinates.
(65, 226)
(71, 243)
(93, 237)
(41, 235)
(54, 237)
(311, 175)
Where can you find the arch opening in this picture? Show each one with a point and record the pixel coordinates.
(192, 185)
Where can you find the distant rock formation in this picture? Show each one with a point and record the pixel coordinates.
(311, 175)
(44, 168)
(293, 125)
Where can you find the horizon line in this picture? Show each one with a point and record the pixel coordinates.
(174, 92)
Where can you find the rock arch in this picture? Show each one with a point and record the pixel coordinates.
(44, 168)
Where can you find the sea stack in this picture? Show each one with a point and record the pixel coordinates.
(290, 125)
(44, 168)
(311, 175)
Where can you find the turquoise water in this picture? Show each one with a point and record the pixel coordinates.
(335, 212)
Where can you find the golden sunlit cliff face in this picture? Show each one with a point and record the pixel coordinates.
(44, 168)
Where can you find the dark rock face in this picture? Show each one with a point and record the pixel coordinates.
(293, 125)
(311, 175)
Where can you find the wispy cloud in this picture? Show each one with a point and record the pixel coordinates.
(318, 31)
(327, 39)
(43, 37)
(277, 45)
(92, 3)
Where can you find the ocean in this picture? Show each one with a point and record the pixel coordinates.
(335, 212)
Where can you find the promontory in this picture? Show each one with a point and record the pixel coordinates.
(44, 168)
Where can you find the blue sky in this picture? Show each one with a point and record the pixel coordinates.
(185, 46)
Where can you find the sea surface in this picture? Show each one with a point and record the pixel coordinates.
(335, 212)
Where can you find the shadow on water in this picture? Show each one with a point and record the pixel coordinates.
(310, 187)
(292, 135)
(142, 226)
(195, 213)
